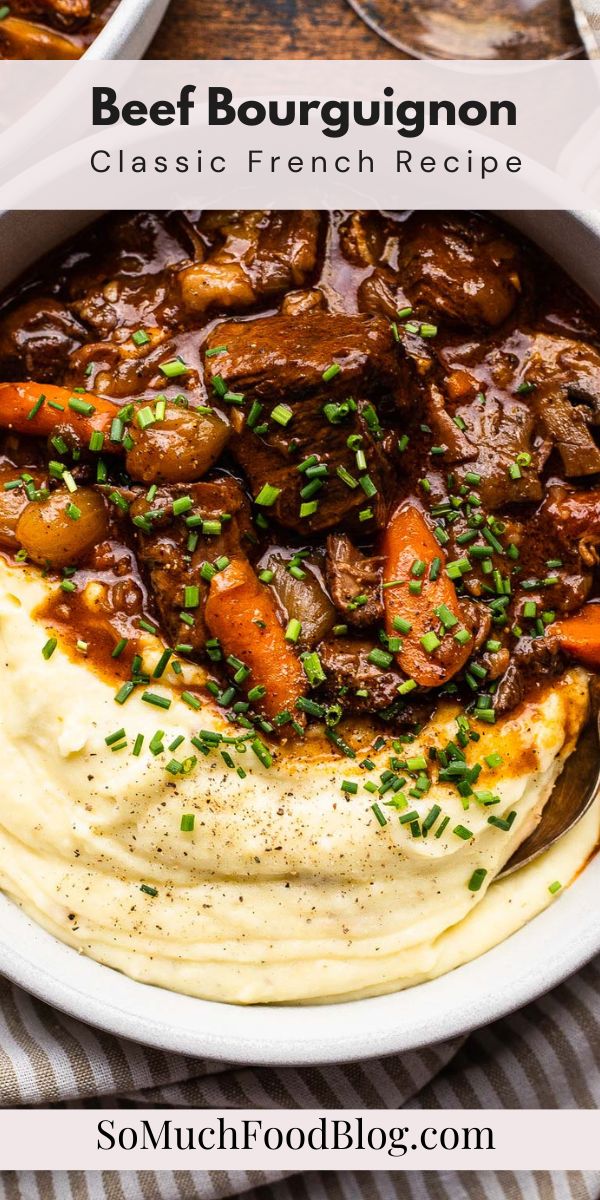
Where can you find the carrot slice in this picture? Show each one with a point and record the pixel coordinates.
(20, 409)
(408, 541)
(241, 613)
(579, 635)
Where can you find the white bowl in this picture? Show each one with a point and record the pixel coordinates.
(533, 960)
(129, 31)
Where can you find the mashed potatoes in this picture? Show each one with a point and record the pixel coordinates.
(287, 888)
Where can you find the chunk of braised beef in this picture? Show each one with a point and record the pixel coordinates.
(36, 339)
(557, 550)
(354, 581)
(460, 269)
(532, 659)
(337, 376)
(362, 238)
(380, 292)
(477, 619)
(63, 14)
(567, 425)
(363, 688)
(565, 378)
(491, 437)
(575, 518)
(173, 562)
(251, 255)
(280, 357)
(359, 684)
(573, 364)
(305, 300)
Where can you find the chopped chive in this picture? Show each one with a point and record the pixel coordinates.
(313, 668)
(162, 664)
(441, 827)
(144, 418)
(182, 505)
(407, 818)
(494, 760)
(174, 368)
(308, 508)
(191, 596)
(156, 700)
(555, 887)
(477, 879)
(430, 642)
(431, 817)
(339, 742)
(407, 686)
(368, 486)
(40, 400)
(380, 658)
(346, 477)
(49, 648)
(448, 619)
(83, 407)
(115, 737)
(331, 372)
(282, 414)
(379, 817)
(486, 714)
(267, 495)
(155, 744)
(262, 752)
(462, 832)
(401, 625)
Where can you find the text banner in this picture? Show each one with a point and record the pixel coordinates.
(196, 1139)
(228, 134)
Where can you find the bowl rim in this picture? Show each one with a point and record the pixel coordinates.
(537, 957)
(114, 38)
(546, 951)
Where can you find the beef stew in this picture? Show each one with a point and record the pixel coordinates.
(348, 462)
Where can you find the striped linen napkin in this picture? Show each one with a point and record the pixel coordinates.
(547, 1055)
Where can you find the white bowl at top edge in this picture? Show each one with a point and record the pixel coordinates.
(530, 962)
(129, 31)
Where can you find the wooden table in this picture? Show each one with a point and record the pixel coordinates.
(266, 29)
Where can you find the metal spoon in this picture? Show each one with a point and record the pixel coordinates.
(573, 794)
